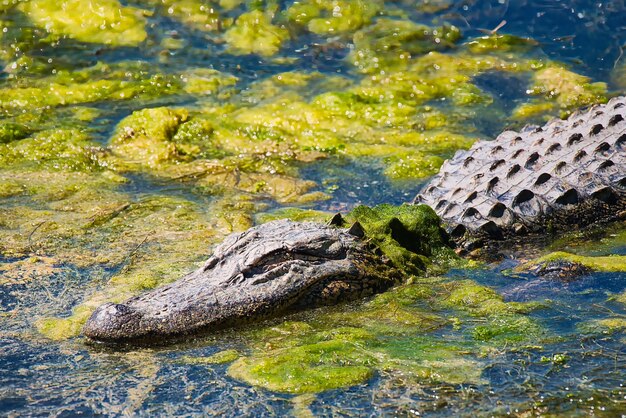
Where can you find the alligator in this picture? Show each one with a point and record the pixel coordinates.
(565, 174)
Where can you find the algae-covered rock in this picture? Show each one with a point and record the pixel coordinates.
(104, 21)
(203, 81)
(609, 325)
(254, 33)
(610, 263)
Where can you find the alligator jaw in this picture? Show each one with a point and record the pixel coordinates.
(267, 270)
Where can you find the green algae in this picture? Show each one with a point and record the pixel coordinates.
(253, 33)
(409, 235)
(397, 333)
(391, 44)
(564, 89)
(603, 326)
(199, 15)
(62, 149)
(307, 368)
(101, 82)
(145, 137)
(333, 17)
(221, 357)
(10, 132)
(107, 22)
(611, 263)
(500, 43)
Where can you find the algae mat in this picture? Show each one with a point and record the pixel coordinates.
(135, 135)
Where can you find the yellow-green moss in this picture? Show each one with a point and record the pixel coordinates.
(106, 21)
(145, 137)
(391, 334)
(295, 214)
(408, 234)
(254, 33)
(611, 263)
(500, 43)
(101, 82)
(333, 17)
(566, 88)
(61, 149)
(603, 326)
(307, 368)
(196, 14)
(391, 44)
(221, 357)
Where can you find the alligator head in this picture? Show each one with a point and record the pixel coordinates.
(269, 269)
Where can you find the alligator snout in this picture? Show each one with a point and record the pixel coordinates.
(111, 320)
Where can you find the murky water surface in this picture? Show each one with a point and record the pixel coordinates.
(271, 109)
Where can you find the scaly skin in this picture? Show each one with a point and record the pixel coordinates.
(567, 173)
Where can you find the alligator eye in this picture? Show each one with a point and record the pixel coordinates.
(596, 129)
(615, 120)
(523, 196)
(570, 197)
(574, 138)
(552, 148)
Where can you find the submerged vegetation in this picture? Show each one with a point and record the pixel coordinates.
(134, 136)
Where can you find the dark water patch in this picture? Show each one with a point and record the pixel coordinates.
(588, 35)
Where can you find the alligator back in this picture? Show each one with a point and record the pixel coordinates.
(566, 174)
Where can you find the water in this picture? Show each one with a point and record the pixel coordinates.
(40, 377)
